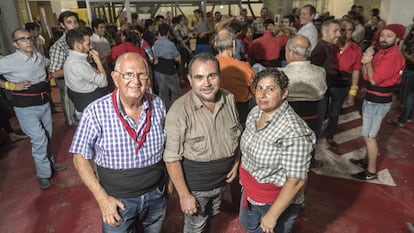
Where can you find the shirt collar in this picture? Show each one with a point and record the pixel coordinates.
(78, 54)
(24, 57)
(198, 104)
(145, 104)
(282, 108)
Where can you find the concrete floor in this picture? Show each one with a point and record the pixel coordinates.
(333, 205)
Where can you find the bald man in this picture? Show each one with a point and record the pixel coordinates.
(237, 75)
(307, 83)
(123, 134)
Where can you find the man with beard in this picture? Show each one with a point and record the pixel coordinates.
(349, 66)
(382, 72)
(324, 55)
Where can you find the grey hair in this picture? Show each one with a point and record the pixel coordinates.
(298, 49)
(224, 40)
(327, 24)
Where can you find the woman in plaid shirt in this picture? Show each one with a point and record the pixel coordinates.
(276, 147)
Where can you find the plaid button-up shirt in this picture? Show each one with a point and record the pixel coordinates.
(102, 137)
(280, 150)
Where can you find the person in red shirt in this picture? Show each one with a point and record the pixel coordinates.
(382, 72)
(266, 49)
(349, 65)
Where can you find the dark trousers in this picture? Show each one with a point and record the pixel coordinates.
(309, 111)
(336, 97)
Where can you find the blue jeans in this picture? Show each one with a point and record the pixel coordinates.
(202, 48)
(166, 84)
(66, 103)
(146, 211)
(251, 216)
(372, 116)
(36, 122)
(209, 203)
(337, 96)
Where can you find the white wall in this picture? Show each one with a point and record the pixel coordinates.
(397, 11)
(339, 8)
(60, 6)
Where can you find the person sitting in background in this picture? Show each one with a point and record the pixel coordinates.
(85, 84)
(276, 146)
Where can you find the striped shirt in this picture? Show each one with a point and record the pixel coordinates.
(279, 150)
(101, 136)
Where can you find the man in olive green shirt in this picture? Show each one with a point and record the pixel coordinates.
(201, 151)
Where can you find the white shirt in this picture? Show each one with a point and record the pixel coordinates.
(101, 45)
(309, 30)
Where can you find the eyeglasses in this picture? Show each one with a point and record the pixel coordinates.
(212, 76)
(24, 39)
(132, 75)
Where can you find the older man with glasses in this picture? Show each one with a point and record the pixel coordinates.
(123, 133)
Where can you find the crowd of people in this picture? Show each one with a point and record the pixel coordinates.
(259, 92)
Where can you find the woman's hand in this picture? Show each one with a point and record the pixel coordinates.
(268, 223)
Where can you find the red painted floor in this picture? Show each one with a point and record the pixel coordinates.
(333, 205)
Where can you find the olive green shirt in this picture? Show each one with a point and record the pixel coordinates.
(196, 133)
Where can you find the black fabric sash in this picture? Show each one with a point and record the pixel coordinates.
(37, 94)
(129, 183)
(204, 176)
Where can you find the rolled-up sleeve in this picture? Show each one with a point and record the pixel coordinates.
(175, 129)
(296, 156)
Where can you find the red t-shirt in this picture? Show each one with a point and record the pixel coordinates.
(388, 65)
(349, 59)
(267, 47)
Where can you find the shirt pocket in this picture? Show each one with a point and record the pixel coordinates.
(197, 144)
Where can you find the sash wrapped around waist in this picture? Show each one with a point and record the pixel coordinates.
(129, 183)
(204, 176)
